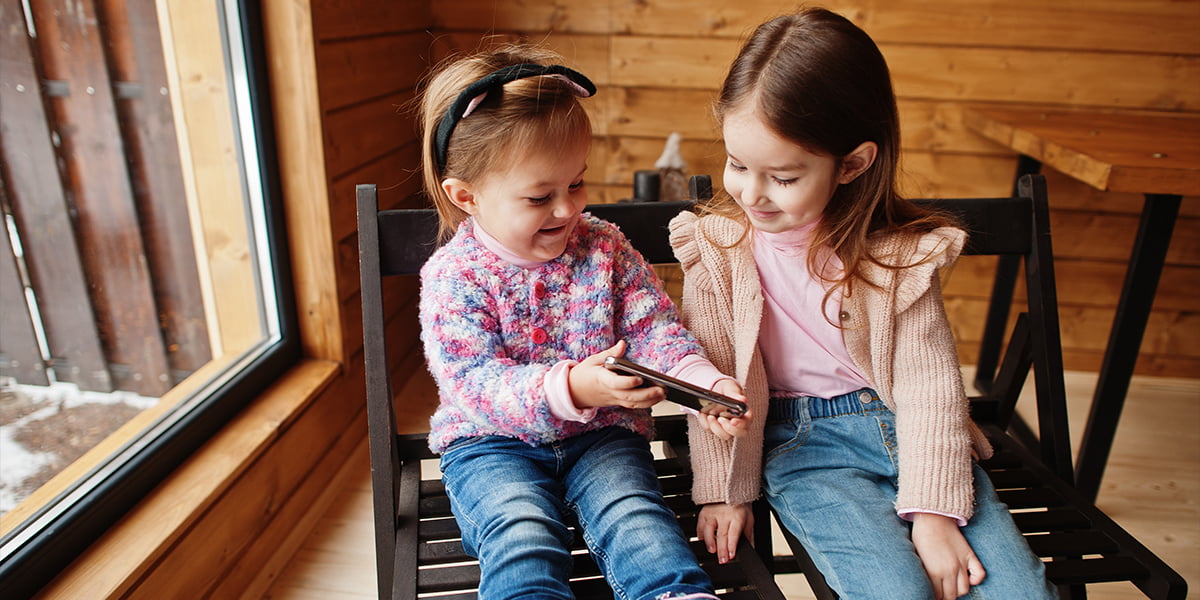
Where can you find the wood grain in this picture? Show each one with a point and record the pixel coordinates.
(1155, 154)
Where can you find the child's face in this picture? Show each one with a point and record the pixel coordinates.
(531, 208)
(779, 184)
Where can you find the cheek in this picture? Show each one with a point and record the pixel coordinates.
(733, 182)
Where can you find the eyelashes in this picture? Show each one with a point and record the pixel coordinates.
(574, 187)
(780, 181)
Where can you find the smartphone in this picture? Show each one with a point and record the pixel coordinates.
(680, 392)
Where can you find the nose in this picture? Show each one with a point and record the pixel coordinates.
(566, 206)
(752, 191)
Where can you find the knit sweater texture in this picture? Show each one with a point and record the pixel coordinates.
(897, 334)
(492, 330)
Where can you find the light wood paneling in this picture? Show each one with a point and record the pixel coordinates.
(661, 62)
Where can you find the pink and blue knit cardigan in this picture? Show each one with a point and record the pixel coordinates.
(492, 330)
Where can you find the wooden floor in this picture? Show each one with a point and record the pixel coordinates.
(1151, 487)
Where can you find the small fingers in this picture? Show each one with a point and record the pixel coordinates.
(705, 530)
(714, 426)
(723, 553)
(976, 570)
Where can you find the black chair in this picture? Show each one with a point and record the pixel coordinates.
(1034, 476)
(416, 538)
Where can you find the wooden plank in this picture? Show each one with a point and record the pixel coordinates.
(70, 46)
(364, 68)
(20, 356)
(39, 206)
(1066, 192)
(628, 154)
(930, 126)
(148, 128)
(574, 16)
(269, 551)
(1082, 282)
(336, 19)
(367, 131)
(1085, 328)
(657, 112)
(1158, 154)
(588, 54)
(949, 73)
(1076, 234)
(398, 177)
(1155, 26)
(311, 446)
(304, 182)
(695, 63)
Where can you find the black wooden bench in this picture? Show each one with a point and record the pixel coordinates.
(417, 548)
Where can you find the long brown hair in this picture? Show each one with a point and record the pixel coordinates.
(818, 80)
(540, 114)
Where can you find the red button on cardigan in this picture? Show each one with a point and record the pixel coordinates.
(538, 335)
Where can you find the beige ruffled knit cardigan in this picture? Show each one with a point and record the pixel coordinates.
(897, 334)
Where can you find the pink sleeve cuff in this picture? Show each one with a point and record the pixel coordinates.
(558, 394)
(697, 370)
(907, 515)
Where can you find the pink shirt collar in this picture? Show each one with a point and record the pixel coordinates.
(495, 246)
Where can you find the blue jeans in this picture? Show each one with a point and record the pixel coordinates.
(513, 503)
(830, 472)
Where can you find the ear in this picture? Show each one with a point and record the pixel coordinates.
(460, 194)
(857, 161)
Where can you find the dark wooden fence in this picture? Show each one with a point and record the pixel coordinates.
(92, 182)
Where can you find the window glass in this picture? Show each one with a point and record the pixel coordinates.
(140, 272)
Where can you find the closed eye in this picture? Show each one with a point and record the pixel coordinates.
(785, 181)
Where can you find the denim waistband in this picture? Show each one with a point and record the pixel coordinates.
(857, 402)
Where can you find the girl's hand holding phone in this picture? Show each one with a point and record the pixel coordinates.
(593, 386)
(726, 427)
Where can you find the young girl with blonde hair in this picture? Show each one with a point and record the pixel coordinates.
(518, 309)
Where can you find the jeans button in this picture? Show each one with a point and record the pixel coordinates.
(864, 397)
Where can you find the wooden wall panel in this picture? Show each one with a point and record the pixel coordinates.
(661, 62)
(338, 19)
(366, 131)
(358, 69)
(1123, 25)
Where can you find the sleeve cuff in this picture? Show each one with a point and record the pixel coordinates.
(907, 515)
(698, 371)
(558, 394)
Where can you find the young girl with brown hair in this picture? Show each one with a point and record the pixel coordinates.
(817, 285)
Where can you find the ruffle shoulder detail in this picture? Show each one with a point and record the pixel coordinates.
(922, 259)
(700, 241)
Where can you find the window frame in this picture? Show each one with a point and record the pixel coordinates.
(52, 548)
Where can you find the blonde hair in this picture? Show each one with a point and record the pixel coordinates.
(539, 114)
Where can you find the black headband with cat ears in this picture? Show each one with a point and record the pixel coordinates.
(475, 93)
